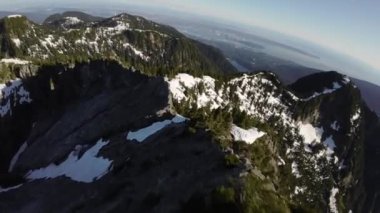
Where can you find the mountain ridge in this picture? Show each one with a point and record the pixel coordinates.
(136, 42)
(195, 101)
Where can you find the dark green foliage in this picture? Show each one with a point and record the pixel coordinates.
(6, 73)
(261, 156)
(218, 121)
(192, 130)
(243, 120)
(223, 199)
(167, 51)
(231, 160)
(16, 26)
(259, 197)
(223, 195)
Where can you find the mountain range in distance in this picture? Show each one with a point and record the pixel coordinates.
(255, 49)
(245, 54)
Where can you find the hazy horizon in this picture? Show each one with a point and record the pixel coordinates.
(355, 36)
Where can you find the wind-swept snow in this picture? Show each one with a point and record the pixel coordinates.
(87, 168)
(249, 136)
(17, 155)
(9, 188)
(335, 87)
(136, 51)
(142, 134)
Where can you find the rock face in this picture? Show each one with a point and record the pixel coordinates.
(102, 100)
(354, 125)
(89, 94)
(157, 176)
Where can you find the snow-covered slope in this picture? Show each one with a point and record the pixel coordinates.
(90, 166)
(312, 142)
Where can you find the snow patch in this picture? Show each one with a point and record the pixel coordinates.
(14, 16)
(179, 84)
(14, 61)
(17, 155)
(16, 41)
(72, 21)
(355, 116)
(332, 200)
(295, 170)
(249, 136)
(310, 133)
(335, 87)
(120, 27)
(87, 168)
(299, 190)
(208, 96)
(330, 145)
(281, 161)
(142, 134)
(136, 51)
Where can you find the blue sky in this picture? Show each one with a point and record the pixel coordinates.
(351, 27)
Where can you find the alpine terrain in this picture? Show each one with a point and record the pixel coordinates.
(122, 114)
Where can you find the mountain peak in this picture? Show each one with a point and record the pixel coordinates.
(70, 19)
(320, 83)
(15, 16)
